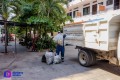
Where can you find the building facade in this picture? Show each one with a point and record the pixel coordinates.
(86, 10)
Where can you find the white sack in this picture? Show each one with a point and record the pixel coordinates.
(57, 59)
(49, 57)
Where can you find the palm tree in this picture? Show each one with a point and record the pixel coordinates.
(5, 15)
(47, 15)
(52, 12)
(41, 11)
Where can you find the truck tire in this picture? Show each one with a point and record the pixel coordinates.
(85, 58)
(93, 56)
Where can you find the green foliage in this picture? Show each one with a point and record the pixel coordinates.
(46, 15)
(45, 43)
(5, 11)
(41, 12)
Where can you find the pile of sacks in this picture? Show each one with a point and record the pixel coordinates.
(51, 58)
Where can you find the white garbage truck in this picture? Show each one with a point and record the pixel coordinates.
(96, 40)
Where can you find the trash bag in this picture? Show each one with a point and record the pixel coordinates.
(49, 57)
(57, 59)
(43, 59)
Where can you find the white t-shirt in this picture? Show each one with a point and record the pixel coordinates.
(59, 38)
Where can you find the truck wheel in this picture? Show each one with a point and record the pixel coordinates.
(85, 58)
(93, 56)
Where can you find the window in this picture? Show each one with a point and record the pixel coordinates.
(109, 2)
(75, 12)
(86, 10)
(94, 9)
(116, 4)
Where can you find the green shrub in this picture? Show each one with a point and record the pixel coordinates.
(45, 43)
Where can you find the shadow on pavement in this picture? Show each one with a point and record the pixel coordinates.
(104, 65)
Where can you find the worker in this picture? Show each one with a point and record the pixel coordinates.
(59, 39)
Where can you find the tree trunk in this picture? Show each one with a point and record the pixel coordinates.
(26, 37)
(40, 32)
(34, 32)
(30, 32)
(7, 36)
(45, 32)
(52, 33)
(5, 25)
(26, 31)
